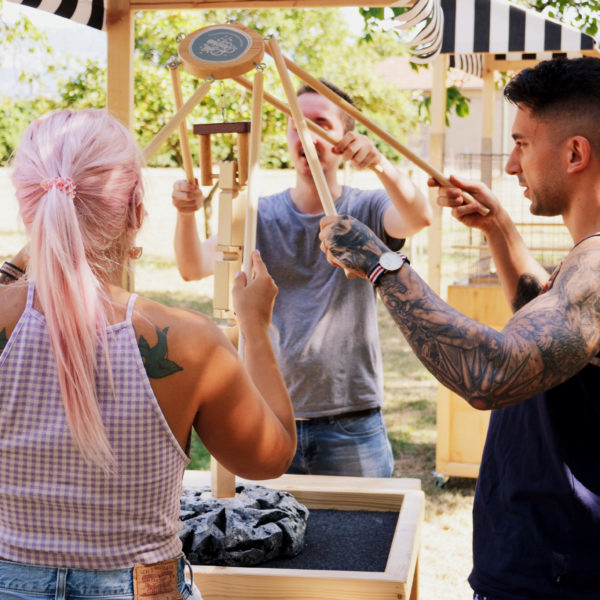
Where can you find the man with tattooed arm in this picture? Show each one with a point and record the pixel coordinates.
(536, 529)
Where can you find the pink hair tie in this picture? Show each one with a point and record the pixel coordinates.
(63, 184)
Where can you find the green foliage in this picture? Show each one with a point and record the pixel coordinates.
(454, 101)
(317, 40)
(582, 14)
(15, 115)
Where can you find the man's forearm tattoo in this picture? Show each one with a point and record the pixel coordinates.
(490, 369)
(155, 359)
(528, 288)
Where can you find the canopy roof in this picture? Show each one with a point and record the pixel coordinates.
(473, 28)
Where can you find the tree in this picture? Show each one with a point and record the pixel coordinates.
(24, 51)
(317, 40)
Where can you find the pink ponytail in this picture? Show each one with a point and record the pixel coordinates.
(79, 232)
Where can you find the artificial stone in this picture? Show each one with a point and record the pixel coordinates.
(257, 525)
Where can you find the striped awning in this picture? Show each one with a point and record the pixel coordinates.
(86, 12)
(473, 28)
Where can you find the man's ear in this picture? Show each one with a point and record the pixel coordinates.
(580, 153)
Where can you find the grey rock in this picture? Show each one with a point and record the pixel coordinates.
(258, 525)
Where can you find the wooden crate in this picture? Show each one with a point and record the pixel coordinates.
(397, 582)
(461, 430)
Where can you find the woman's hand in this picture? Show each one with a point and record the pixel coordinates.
(254, 297)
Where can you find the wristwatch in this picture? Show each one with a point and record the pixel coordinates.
(388, 261)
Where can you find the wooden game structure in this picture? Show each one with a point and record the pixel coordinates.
(236, 238)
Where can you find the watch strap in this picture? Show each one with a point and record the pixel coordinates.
(377, 271)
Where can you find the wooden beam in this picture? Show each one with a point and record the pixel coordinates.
(254, 4)
(436, 158)
(119, 84)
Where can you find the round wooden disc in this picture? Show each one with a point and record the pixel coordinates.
(221, 51)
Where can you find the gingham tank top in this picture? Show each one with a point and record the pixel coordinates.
(55, 510)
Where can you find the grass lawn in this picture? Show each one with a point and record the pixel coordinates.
(410, 392)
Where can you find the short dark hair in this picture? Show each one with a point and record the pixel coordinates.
(347, 120)
(562, 90)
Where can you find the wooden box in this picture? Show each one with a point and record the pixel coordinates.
(461, 430)
(397, 582)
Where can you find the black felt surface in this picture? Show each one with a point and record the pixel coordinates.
(340, 540)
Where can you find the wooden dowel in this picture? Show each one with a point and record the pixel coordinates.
(302, 129)
(253, 172)
(242, 148)
(381, 133)
(285, 109)
(222, 481)
(181, 114)
(206, 175)
(184, 141)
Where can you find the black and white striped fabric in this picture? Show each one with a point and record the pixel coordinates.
(87, 12)
(476, 27)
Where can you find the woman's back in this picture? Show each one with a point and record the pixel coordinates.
(89, 518)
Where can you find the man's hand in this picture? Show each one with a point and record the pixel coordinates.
(187, 197)
(467, 213)
(358, 149)
(350, 245)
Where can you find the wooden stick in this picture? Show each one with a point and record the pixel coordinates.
(253, 172)
(302, 128)
(181, 114)
(384, 135)
(285, 109)
(184, 141)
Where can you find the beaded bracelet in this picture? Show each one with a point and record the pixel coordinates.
(12, 271)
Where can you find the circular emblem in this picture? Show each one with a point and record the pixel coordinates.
(221, 51)
(220, 45)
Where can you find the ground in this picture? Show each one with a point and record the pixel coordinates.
(410, 392)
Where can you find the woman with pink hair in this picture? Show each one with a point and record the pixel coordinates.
(99, 388)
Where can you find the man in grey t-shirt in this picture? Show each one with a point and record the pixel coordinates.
(324, 325)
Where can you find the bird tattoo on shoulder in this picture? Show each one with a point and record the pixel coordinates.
(155, 359)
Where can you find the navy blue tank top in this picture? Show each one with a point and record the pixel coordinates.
(536, 515)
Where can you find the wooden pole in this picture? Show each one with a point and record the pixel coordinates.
(186, 153)
(384, 135)
(285, 109)
(177, 118)
(302, 128)
(253, 171)
(436, 156)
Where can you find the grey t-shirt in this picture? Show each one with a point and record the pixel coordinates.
(324, 325)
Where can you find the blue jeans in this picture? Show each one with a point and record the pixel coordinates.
(343, 445)
(29, 582)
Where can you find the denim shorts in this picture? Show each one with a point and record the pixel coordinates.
(343, 445)
(29, 582)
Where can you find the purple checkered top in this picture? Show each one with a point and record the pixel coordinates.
(56, 510)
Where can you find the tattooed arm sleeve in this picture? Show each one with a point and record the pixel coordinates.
(550, 339)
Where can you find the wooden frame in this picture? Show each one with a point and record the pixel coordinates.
(399, 581)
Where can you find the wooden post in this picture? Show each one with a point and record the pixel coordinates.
(119, 83)
(436, 158)
(119, 79)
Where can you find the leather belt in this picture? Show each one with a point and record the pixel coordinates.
(355, 414)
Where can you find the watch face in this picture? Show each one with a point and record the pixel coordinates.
(391, 261)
